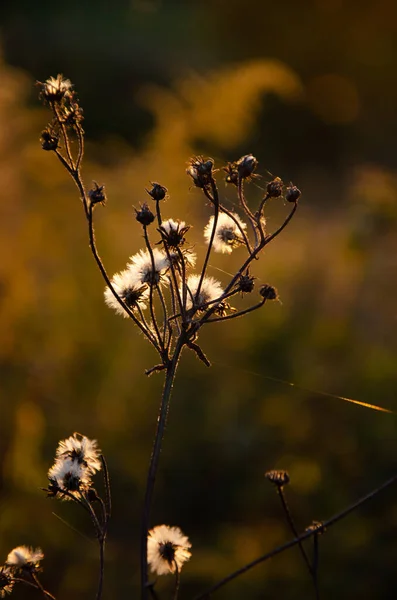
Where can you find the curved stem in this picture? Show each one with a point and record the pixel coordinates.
(154, 460)
(211, 241)
(291, 524)
(304, 536)
(37, 586)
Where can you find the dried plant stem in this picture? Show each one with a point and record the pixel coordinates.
(154, 460)
(177, 581)
(297, 540)
(36, 585)
(211, 240)
(290, 520)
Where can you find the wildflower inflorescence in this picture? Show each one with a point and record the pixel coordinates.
(166, 297)
(77, 459)
(167, 549)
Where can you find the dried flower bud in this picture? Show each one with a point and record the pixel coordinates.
(49, 141)
(268, 292)
(293, 194)
(158, 192)
(317, 526)
(246, 283)
(200, 171)
(55, 89)
(92, 495)
(231, 173)
(246, 165)
(279, 478)
(144, 215)
(173, 232)
(275, 188)
(97, 194)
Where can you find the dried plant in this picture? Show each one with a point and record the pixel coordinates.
(169, 299)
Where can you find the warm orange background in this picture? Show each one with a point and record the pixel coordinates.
(310, 89)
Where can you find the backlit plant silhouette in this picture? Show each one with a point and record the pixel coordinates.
(169, 297)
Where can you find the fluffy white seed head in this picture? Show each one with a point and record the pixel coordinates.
(227, 233)
(68, 475)
(167, 549)
(24, 557)
(210, 290)
(131, 291)
(82, 450)
(145, 271)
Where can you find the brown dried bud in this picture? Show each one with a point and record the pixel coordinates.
(268, 292)
(246, 283)
(316, 526)
(144, 215)
(231, 173)
(158, 192)
(200, 171)
(293, 194)
(275, 188)
(279, 478)
(49, 141)
(246, 165)
(97, 194)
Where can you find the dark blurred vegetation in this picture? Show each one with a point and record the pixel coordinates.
(308, 87)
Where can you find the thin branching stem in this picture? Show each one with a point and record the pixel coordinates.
(243, 202)
(211, 241)
(154, 460)
(291, 523)
(238, 314)
(174, 280)
(37, 585)
(177, 581)
(297, 540)
(246, 264)
(233, 218)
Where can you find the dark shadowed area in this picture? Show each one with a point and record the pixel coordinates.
(309, 89)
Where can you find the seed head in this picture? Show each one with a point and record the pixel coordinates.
(275, 188)
(173, 232)
(246, 283)
(200, 171)
(55, 89)
(279, 478)
(246, 165)
(97, 194)
(167, 549)
(158, 192)
(24, 558)
(317, 526)
(49, 141)
(292, 194)
(268, 292)
(144, 216)
(232, 174)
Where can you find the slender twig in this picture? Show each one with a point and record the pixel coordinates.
(243, 202)
(234, 219)
(154, 460)
(297, 540)
(151, 284)
(211, 240)
(290, 521)
(37, 586)
(174, 281)
(246, 264)
(238, 314)
(177, 580)
(108, 495)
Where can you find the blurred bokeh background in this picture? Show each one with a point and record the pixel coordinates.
(309, 88)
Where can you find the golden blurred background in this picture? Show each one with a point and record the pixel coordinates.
(308, 87)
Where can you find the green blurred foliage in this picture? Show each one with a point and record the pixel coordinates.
(307, 88)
